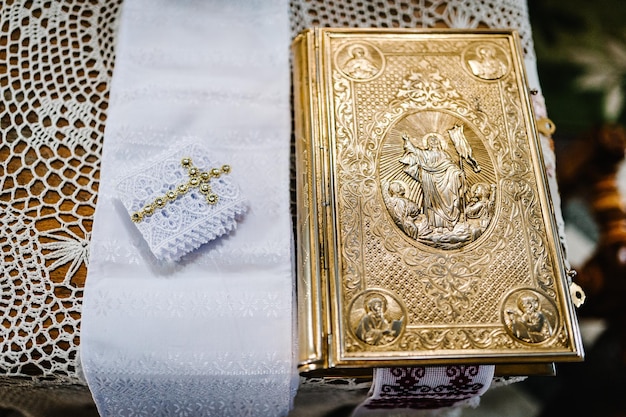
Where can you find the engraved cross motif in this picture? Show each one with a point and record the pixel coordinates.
(197, 179)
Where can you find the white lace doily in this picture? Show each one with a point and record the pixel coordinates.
(58, 60)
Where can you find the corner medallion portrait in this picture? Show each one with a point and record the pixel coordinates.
(486, 61)
(377, 317)
(530, 316)
(437, 179)
(359, 61)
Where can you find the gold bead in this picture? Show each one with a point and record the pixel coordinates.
(205, 176)
(160, 202)
(211, 198)
(215, 172)
(186, 162)
(193, 171)
(194, 182)
(171, 195)
(148, 210)
(182, 188)
(136, 217)
(225, 169)
(205, 188)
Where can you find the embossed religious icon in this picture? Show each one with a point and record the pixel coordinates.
(487, 62)
(450, 207)
(377, 317)
(425, 228)
(359, 61)
(530, 316)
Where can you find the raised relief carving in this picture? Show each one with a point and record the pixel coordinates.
(406, 213)
(429, 202)
(487, 61)
(359, 61)
(530, 316)
(480, 208)
(377, 317)
(442, 170)
(438, 182)
(449, 208)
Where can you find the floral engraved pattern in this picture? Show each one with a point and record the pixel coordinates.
(427, 86)
(421, 100)
(452, 285)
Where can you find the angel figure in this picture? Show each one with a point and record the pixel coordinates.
(405, 212)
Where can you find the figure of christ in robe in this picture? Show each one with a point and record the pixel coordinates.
(441, 180)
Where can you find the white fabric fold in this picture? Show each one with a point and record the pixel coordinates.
(212, 334)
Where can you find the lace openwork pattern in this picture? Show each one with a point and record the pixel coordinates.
(415, 14)
(56, 61)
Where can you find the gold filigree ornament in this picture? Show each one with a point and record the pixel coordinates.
(197, 179)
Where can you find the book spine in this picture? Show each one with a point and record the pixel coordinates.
(310, 278)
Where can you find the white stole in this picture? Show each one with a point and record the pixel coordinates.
(212, 334)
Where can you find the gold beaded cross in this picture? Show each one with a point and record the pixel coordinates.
(197, 179)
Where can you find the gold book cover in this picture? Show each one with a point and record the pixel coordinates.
(425, 229)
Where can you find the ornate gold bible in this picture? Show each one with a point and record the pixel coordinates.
(426, 233)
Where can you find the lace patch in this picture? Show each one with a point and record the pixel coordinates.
(181, 200)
